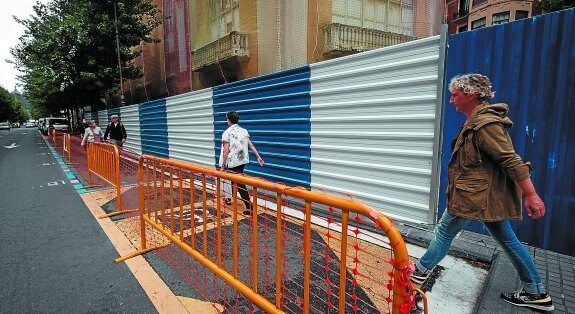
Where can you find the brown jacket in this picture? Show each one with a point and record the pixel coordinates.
(484, 167)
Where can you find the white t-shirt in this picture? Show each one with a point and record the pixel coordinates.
(238, 138)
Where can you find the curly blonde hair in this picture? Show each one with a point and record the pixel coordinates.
(473, 83)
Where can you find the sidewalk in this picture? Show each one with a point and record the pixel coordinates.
(556, 270)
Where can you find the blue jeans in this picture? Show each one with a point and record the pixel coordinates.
(449, 226)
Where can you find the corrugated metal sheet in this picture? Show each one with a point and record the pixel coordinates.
(275, 109)
(96, 117)
(191, 127)
(532, 67)
(113, 111)
(154, 128)
(103, 119)
(88, 116)
(374, 124)
(131, 119)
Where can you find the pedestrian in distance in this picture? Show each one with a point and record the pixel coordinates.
(486, 181)
(92, 134)
(235, 156)
(116, 131)
(84, 125)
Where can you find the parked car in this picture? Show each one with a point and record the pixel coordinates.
(30, 124)
(4, 126)
(58, 124)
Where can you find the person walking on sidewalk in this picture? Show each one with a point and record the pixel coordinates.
(116, 131)
(92, 134)
(486, 181)
(235, 156)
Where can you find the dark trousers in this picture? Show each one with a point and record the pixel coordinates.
(242, 187)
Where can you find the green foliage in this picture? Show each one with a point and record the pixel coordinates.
(555, 5)
(68, 53)
(10, 109)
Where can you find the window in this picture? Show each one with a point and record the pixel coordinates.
(462, 29)
(396, 16)
(479, 23)
(521, 15)
(500, 18)
(463, 7)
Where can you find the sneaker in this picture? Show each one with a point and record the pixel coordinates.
(540, 302)
(419, 277)
(248, 210)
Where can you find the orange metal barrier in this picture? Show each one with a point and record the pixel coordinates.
(56, 137)
(52, 137)
(67, 148)
(253, 252)
(104, 162)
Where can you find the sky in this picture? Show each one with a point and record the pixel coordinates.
(11, 32)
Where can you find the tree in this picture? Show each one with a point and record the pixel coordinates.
(68, 52)
(555, 5)
(10, 109)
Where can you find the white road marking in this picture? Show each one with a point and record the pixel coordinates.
(12, 146)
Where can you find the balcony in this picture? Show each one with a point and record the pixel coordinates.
(342, 39)
(232, 46)
(461, 17)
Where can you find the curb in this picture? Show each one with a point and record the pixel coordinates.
(460, 247)
(502, 277)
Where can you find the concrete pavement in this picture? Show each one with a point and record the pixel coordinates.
(557, 271)
(54, 256)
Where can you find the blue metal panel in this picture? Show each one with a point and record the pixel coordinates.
(275, 109)
(532, 67)
(154, 128)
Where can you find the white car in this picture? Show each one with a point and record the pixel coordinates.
(4, 126)
(58, 124)
(30, 124)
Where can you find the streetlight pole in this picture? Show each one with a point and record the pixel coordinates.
(118, 53)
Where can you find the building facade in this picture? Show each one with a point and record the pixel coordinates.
(465, 15)
(238, 39)
(206, 43)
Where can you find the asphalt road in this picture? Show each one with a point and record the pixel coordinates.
(54, 258)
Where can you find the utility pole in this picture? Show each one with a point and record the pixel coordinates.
(122, 102)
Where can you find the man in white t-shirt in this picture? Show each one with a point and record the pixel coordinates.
(235, 143)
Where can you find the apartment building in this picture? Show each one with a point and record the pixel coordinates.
(464, 15)
(238, 39)
(206, 43)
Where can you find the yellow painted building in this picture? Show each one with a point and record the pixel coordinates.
(237, 39)
(206, 43)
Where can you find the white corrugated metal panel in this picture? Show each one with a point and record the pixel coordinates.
(88, 116)
(103, 119)
(131, 119)
(373, 122)
(191, 127)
